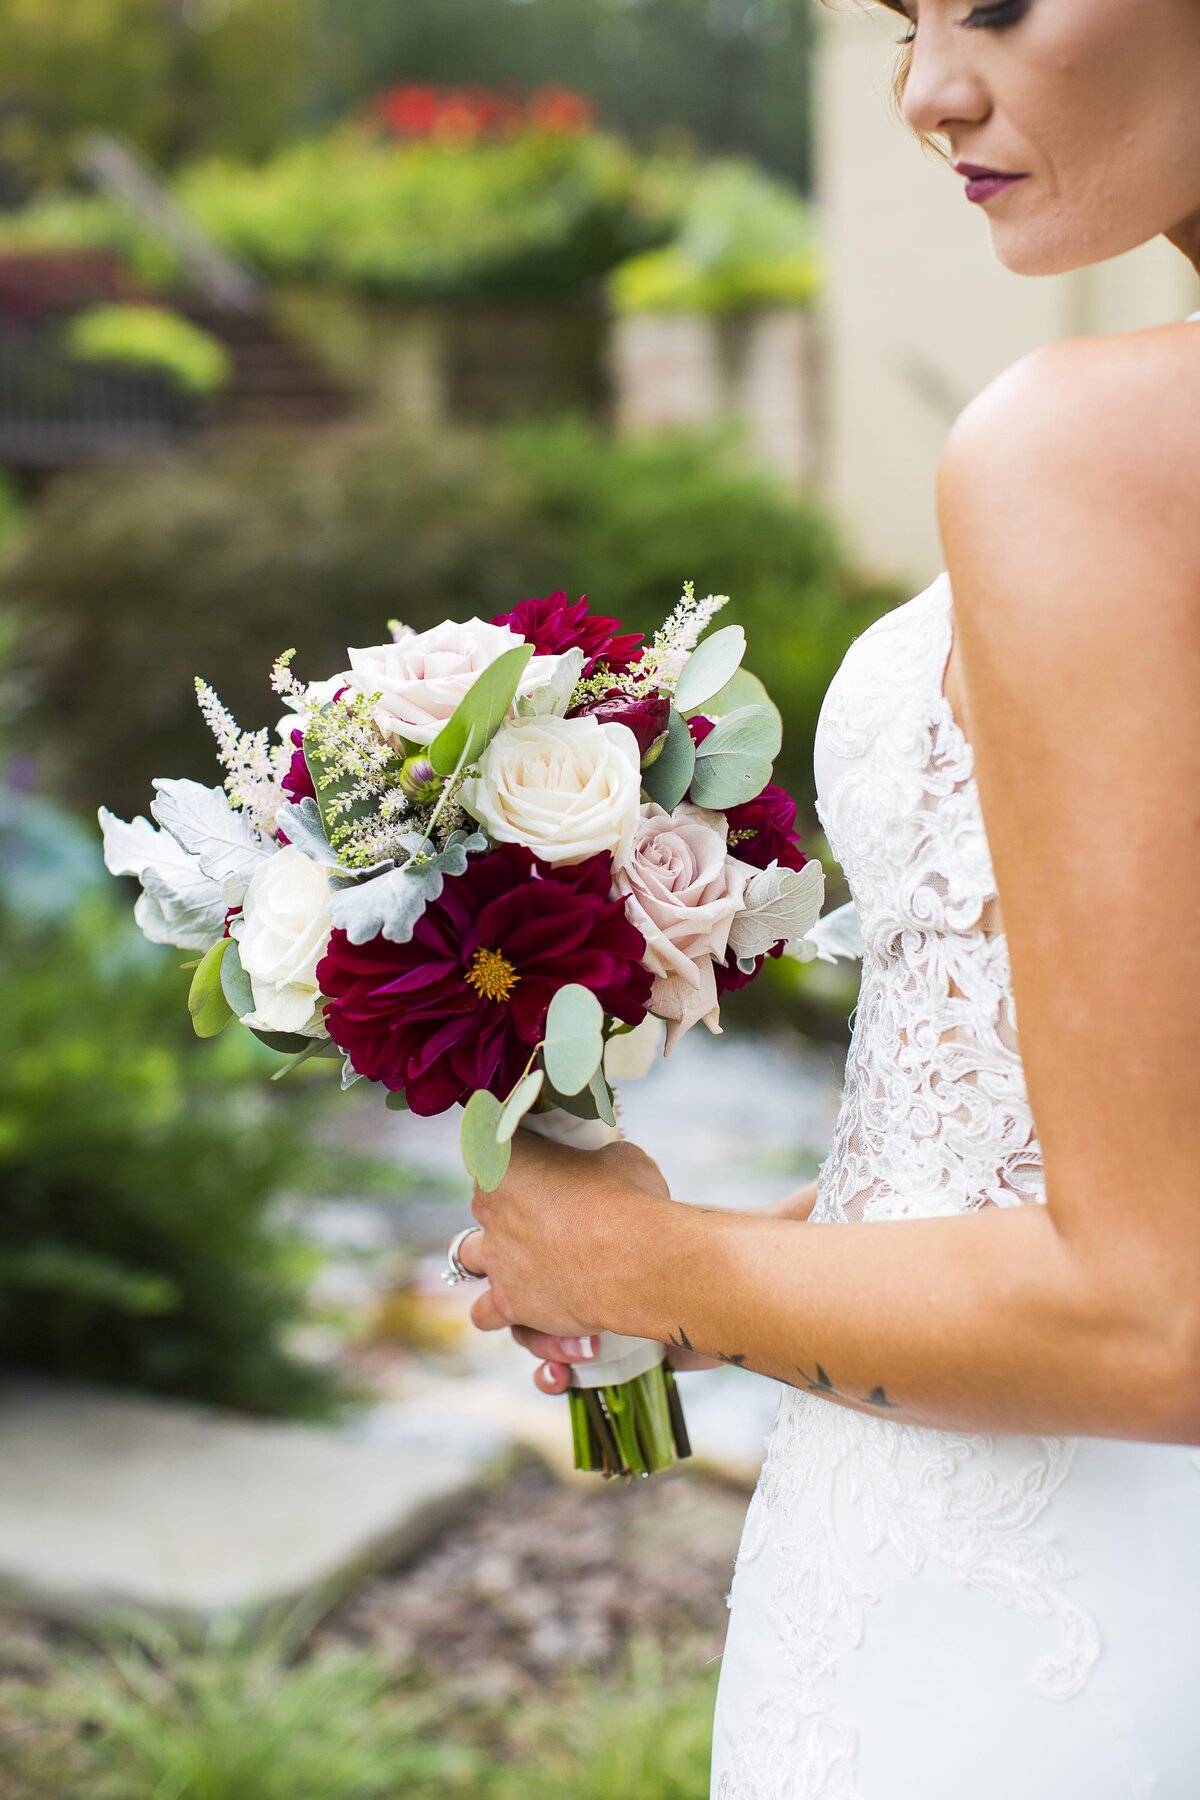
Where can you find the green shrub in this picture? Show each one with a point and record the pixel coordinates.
(153, 339)
(745, 240)
(138, 1165)
(542, 212)
(212, 562)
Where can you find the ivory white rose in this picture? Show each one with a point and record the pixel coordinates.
(282, 933)
(421, 678)
(682, 890)
(565, 788)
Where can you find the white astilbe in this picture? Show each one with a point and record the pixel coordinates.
(658, 668)
(254, 767)
(287, 686)
(347, 752)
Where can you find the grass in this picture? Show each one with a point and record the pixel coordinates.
(146, 1717)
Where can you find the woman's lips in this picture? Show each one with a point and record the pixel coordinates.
(985, 186)
(983, 183)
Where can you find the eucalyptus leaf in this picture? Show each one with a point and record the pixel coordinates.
(733, 764)
(287, 1043)
(397, 1100)
(485, 1156)
(389, 905)
(235, 982)
(207, 1004)
(574, 1038)
(519, 1103)
(479, 713)
(602, 1094)
(581, 1105)
(744, 689)
(668, 777)
(711, 664)
(779, 904)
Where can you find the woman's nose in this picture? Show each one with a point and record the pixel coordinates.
(943, 87)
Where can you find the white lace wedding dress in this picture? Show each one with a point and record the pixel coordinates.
(920, 1614)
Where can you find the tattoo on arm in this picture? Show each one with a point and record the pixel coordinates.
(823, 1385)
(818, 1384)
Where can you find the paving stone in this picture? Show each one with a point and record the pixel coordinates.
(112, 1501)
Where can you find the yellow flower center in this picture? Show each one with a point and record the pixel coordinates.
(491, 975)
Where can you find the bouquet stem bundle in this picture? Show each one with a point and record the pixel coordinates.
(633, 1428)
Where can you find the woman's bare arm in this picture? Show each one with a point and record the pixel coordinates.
(1074, 553)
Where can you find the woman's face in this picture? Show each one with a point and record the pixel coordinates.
(1096, 103)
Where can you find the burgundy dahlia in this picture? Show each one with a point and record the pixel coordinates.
(298, 782)
(646, 718)
(461, 1005)
(556, 624)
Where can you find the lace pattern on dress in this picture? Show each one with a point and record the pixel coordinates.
(934, 1120)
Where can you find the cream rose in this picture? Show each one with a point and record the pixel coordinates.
(282, 933)
(565, 788)
(421, 678)
(682, 890)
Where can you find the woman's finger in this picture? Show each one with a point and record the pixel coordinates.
(556, 1349)
(552, 1377)
(486, 1314)
(471, 1252)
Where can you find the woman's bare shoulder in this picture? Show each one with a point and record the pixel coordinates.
(1084, 447)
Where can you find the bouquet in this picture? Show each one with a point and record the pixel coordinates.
(497, 865)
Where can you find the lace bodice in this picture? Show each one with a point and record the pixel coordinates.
(935, 1117)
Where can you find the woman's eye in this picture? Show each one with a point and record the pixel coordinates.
(995, 18)
(908, 36)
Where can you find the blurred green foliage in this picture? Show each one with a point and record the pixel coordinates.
(177, 76)
(211, 563)
(153, 339)
(240, 1717)
(139, 1166)
(744, 240)
(543, 212)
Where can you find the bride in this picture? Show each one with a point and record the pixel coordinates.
(971, 1566)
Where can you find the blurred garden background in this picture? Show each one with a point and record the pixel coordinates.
(314, 314)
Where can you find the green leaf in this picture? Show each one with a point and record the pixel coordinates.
(733, 763)
(396, 1101)
(574, 1038)
(580, 1106)
(235, 983)
(669, 775)
(479, 713)
(602, 1094)
(519, 1103)
(744, 689)
(210, 1010)
(712, 663)
(486, 1158)
(287, 1043)
(391, 904)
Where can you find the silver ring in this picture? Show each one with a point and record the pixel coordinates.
(454, 1270)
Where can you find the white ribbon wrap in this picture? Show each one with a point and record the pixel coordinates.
(619, 1358)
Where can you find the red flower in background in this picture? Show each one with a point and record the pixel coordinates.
(555, 624)
(461, 1005)
(423, 110)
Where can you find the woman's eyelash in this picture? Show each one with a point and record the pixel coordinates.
(994, 18)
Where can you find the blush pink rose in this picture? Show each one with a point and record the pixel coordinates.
(682, 890)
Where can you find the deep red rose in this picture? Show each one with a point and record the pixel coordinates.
(556, 624)
(460, 1006)
(647, 719)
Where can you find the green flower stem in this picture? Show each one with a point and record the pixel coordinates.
(630, 1428)
(683, 1444)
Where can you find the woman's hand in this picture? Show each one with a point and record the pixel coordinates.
(551, 1225)
(556, 1354)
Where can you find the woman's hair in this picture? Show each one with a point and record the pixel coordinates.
(899, 78)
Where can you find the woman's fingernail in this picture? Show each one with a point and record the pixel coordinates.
(581, 1347)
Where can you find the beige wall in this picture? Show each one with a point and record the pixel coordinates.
(919, 315)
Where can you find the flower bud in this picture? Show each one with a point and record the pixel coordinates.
(420, 781)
